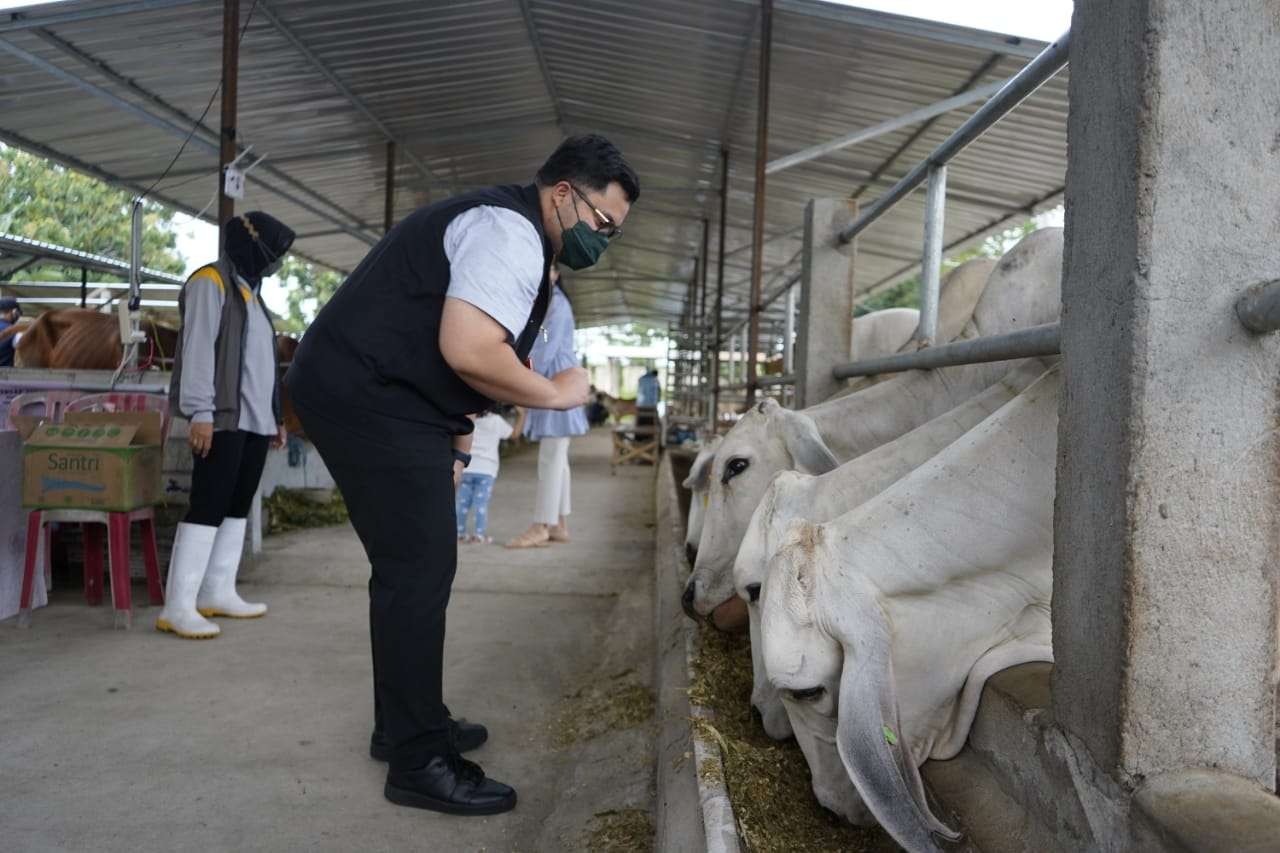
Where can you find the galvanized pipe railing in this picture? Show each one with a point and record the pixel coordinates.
(931, 274)
(1259, 307)
(1035, 342)
(1035, 74)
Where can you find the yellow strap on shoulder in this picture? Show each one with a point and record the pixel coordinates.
(211, 272)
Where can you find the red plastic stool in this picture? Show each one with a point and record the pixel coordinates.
(118, 526)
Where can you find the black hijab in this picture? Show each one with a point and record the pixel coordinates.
(252, 247)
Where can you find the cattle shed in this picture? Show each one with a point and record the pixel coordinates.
(796, 157)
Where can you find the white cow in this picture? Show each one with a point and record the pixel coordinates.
(696, 483)
(959, 295)
(883, 332)
(794, 495)
(1023, 291)
(878, 333)
(881, 626)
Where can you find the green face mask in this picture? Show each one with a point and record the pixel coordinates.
(582, 247)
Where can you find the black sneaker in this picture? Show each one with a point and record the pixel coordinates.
(449, 784)
(466, 737)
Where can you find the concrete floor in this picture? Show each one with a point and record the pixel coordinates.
(114, 740)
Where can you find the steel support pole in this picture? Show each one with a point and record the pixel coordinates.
(715, 337)
(789, 333)
(230, 78)
(389, 204)
(701, 324)
(935, 205)
(757, 227)
(84, 286)
(706, 238)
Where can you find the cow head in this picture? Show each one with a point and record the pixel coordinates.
(767, 439)
(784, 501)
(826, 644)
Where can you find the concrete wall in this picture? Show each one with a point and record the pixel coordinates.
(824, 328)
(1166, 535)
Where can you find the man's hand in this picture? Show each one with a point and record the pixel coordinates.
(281, 438)
(572, 388)
(457, 474)
(201, 439)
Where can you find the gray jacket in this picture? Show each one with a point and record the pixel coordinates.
(227, 351)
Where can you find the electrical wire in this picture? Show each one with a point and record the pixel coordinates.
(200, 120)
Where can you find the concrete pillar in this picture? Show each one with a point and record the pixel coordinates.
(1165, 533)
(825, 328)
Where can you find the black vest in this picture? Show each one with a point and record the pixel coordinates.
(376, 344)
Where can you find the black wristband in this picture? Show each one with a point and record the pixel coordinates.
(464, 458)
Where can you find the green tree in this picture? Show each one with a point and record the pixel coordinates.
(310, 287)
(44, 201)
(906, 293)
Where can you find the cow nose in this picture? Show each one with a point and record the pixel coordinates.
(756, 713)
(686, 601)
(691, 553)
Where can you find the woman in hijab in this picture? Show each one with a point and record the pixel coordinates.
(225, 381)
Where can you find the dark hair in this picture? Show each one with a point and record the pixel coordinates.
(590, 161)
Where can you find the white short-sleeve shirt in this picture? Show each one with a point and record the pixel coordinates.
(495, 263)
(490, 429)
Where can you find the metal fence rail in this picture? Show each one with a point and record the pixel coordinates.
(1024, 343)
(1038, 341)
(1050, 61)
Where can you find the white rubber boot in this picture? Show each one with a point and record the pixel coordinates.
(218, 595)
(192, 547)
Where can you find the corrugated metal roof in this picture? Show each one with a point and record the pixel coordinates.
(16, 250)
(480, 91)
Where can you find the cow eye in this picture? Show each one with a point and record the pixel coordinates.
(735, 467)
(813, 694)
(753, 592)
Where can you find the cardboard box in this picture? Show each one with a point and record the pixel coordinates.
(107, 461)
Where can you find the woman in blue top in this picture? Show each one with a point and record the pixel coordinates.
(552, 353)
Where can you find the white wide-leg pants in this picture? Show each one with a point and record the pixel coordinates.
(553, 480)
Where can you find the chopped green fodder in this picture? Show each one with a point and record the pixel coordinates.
(298, 509)
(768, 781)
(592, 711)
(620, 831)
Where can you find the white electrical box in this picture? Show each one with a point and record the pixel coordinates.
(233, 183)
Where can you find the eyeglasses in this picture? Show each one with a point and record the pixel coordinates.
(607, 226)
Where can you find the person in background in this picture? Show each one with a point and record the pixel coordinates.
(9, 314)
(476, 487)
(597, 411)
(552, 352)
(225, 382)
(649, 390)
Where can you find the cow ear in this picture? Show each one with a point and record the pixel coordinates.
(700, 472)
(869, 736)
(808, 451)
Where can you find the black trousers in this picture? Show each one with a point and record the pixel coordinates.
(401, 501)
(223, 483)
